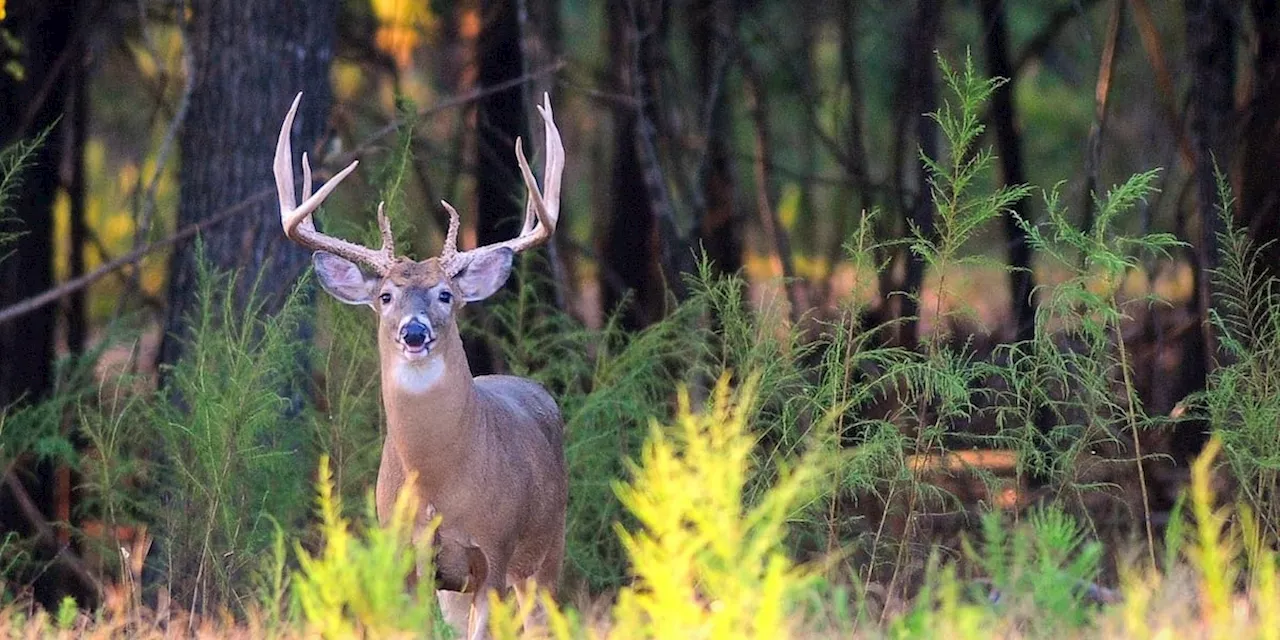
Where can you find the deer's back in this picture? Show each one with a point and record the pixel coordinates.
(525, 400)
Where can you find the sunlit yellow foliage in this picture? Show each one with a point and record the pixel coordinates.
(1225, 545)
(402, 25)
(2, 13)
(789, 206)
(705, 564)
(347, 79)
(356, 586)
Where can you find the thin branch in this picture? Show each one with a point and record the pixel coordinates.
(1102, 92)
(24, 307)
(1057, 22)
(48, 536)
(146, 209)
(1164, 80)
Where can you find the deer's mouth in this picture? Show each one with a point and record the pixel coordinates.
(416, 351)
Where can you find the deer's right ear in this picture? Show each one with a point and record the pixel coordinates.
(343, 279)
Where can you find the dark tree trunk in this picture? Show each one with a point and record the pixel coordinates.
(500, 119)
(30, 104)
(1009, 144)
(1259, 191)
(249, 59)
(922, 95)
(540, 47)
(500, 193)
(26, 346)
(1211, 31)
(630, 245)
(711, 27)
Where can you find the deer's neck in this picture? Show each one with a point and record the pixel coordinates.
(432, 410)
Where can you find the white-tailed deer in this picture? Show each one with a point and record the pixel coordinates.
(486, 452)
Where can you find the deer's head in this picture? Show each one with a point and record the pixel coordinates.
(416, 301)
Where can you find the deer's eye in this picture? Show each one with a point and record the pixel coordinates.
(385, 298)
(446, 297)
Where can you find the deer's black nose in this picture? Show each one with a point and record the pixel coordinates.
(415, 334)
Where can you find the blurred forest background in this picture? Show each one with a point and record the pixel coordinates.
(765, 137)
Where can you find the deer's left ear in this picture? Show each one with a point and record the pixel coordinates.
(484, 274)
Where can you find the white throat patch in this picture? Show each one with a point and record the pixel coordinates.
(417, 377)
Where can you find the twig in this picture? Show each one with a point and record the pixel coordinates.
(1058, 21)
(54, 75)
(143, 217)
(47, 535)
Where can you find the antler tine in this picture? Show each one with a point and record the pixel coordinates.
(543, 209)
(384, 227)
(450, 250)
(296, 220)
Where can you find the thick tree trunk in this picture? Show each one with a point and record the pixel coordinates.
(1009, 144)
(29, 104)
(922, 95)
(500, 119)
(1259, 191)
(540, 47)
(249, 59)
(630, 246)
(1211, 50)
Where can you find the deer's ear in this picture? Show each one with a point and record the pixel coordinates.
(484, 274)
(343, 279)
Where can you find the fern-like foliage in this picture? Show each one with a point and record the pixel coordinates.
(14, 159)
(1241, 402)
(233, 453)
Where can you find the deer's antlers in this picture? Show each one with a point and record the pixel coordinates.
(541, 213)
(540, 217)
(296, 219)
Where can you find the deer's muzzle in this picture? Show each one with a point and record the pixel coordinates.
(415, 335)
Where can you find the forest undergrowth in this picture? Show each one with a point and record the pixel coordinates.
(731, 474)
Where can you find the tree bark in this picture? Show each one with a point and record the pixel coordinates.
(1009, 144)
(77, 327)
(711, 25)
(631, 244)
(249, 59)
(1211, 50)
(27, 347)
(1259, 207)
(500, 119)
(856, 168)
(29, 104)
(540, 47)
